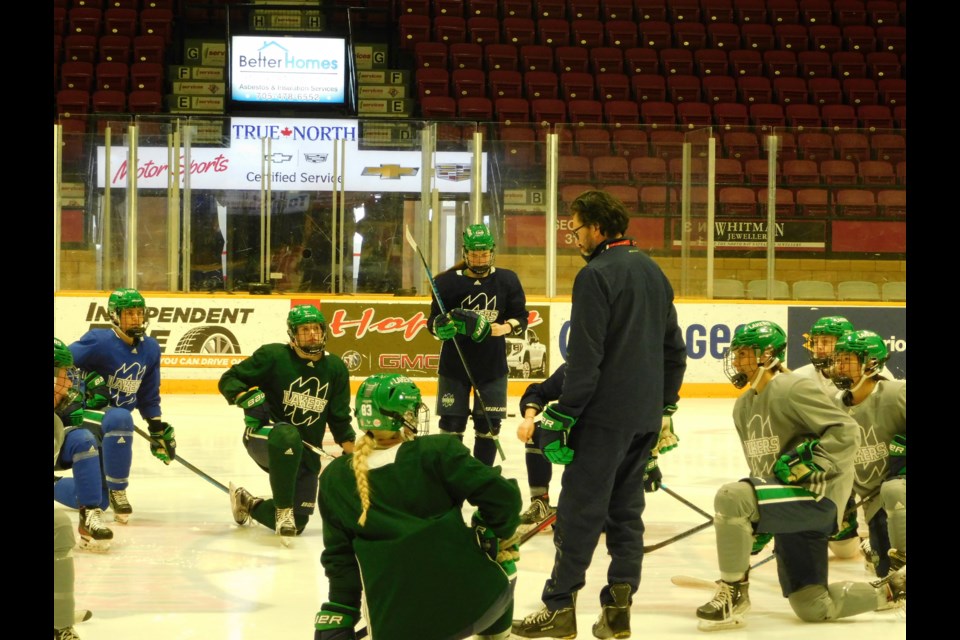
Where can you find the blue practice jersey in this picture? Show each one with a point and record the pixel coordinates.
(132, 373)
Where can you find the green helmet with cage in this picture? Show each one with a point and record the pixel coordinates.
(477, 237)
(63, 361)
(871, 352)
(389, 402)
(822, 335)
(123, 299)
(307, 314)
(768, 341)
(62, 356)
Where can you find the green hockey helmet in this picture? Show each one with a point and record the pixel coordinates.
(389, 402)
(871, 352)
(768, 341)
(477, 237)
(62, 356)
(307, 314)
(819, 341)
(122, 299)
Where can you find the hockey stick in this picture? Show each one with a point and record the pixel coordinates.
(670, 492)
(463, 359)
(180, 459)
(540, 526)
(679, 536)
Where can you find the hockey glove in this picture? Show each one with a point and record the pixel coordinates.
(555, 435)
(163, 442)
(897, 462)
(335, 622)
(470, 323)
(256, 411)
(652, 476)
(760, 540)
(795, 467)
(849, 526)
(668, 439)
(444, 328)
(503, 551)
(97, 394)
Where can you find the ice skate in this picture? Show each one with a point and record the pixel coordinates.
(895, 584)
(614, 620)
(561, 623)
(286, 526)
(94, 535)
(726, 610)
(242, 503)
(538, 511)
(120, 505)
(65, 634)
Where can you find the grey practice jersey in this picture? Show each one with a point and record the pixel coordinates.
(790, 410)
(882, 415)
(810, 371)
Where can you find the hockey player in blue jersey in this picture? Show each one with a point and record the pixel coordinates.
(120, 367)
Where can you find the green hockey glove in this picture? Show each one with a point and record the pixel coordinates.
(97, 394)
(897, 462)
(760, 540)
(256, 411)
(668, 439)
(163, 442)
(555, 435)
(796, 466)
(849, 526)
(444, 328)
(335, 622)
(470, 323)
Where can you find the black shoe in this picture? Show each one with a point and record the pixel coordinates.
(561, 623)
(614, 620)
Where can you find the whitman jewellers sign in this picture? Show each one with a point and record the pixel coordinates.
(789, 235)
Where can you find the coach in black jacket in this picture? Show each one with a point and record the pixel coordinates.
(625, 363)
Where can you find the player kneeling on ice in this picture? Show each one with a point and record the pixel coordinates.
(289, 393)
(393, 527)
(879, 405)
(793, 491)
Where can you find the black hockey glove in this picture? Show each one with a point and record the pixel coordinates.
(163, 442)
(256, 411)
(652, 476)
(336, 622)
(795, 466)
(470, 323)
(97, 393)
(897, 462)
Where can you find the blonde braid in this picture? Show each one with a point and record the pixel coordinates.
(361, 451)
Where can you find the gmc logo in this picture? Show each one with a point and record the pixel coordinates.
(420, 361)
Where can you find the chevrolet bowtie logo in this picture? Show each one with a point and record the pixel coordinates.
(390, 171)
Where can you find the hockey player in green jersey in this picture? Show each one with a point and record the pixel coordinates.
(290, 393)
(393, 529)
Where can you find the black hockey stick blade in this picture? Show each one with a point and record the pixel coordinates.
(543, 524)
(218, 485)
(463, 359)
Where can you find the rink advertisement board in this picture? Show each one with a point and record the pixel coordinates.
(202, 335)
(890, 323)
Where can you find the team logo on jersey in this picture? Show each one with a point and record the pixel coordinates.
(761, 446)
(483, 304)
(870, 462)
(304, 401)
(447, 400)
(125, 382)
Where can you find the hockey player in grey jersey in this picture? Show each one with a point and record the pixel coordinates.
(879, 405)
(819, 343)
(800, 449)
